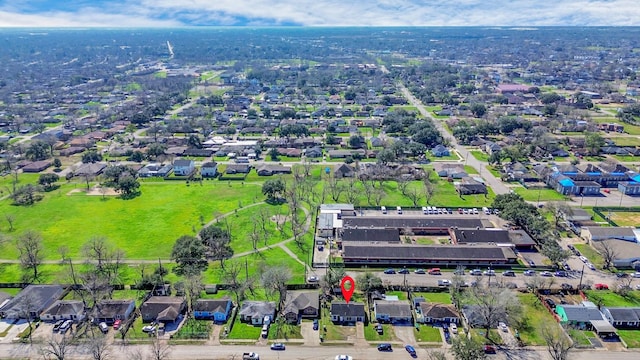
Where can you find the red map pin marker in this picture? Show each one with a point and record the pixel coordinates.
(347, 286)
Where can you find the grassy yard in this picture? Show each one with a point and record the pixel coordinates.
(610, 298)
(334, 332)
(480, 155)
(536, 317)
(590, 253)
(494, 337)
(626, 141)
(194, 329)
(631, 337)
(539, 194)
(284, 331)
(244, 331)
(626, 218)
(436, 297)
(370, 333)
(426, 333)
(581, 338)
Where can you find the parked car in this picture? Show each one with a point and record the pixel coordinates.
(550, 302)
(444, 282)
(454, 328)
(315, 324)
(403, 271)
(476, 272)
(591, 266)
(65, 326)
(502, 326)
(489, 273)
(389, 271)
(566, 286)
(57, 325)
(419, 271)
(529, 272)
(312, 279)
(489, 349)
(636, 274)
(571, 247)
(622, 274)
(509, 273)
(600, 286)
(379, 329)
(277, 346)
(531, 263)
(116, 324)
(385, 347)
(566, 267)
(546, 273)
(149, 328)
(435, 271)
(343, 357)
(411, 350)
(103, 327)
(583, 259)
(561, 273)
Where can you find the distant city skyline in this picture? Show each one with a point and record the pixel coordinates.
(176, 13)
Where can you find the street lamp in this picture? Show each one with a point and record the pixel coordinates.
(621, 195)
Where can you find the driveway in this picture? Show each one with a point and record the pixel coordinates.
(311, 337)
(405, 334)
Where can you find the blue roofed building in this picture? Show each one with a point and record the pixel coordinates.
(629, 187)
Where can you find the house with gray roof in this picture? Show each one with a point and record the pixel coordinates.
(347, 314)
(579, 316)
(254, 312)
(31, 301)
(623, 317)
(597, 233)
(394, 312)
(301, 304)
(109, 311)
(65, 310)
(165, 309)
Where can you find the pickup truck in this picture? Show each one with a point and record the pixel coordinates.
(250, 356)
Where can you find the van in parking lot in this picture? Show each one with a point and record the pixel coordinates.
(383, 209)
(424, 210)
(399, 209)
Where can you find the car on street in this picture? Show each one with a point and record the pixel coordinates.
(444, 282)
(566, 267)
(561, 273)
(403, 271)
(116, 324)
(411, 350)
(419, 271)
(571, 247)
(583, 259)
(509, 273)
(312, 279)
(489, 273)
(502, 326)
(636, 274)
(489, 349)
(622, 274)
(566, 286)
(638, 287)
(385, 347)
(277, 346)
(591, 266)
(149, 328)
(529, 272)
(389, 271)
(546, 273)
(343, 357)
(315, 324)
(531, 263)
(550, 302)
(435, 271)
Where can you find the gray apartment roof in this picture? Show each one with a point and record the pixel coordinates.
(473, 235)
(425, 252)
(336, 207)
(581, 313)
(371, 235)
(402, 222)
(65, 307)
(212, 305)
(624, 313)
(611, 232)
(111, 308)
(343, 309)
(39, 296)
(393, 308)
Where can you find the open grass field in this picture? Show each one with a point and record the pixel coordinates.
(631, 337)
(625, 140)
(536, 317)
(610, 298)
(370, 333)
(626, 218)
(539, 194)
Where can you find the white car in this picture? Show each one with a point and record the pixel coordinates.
(546, 273)
(312, 279)
(584, 259)
(502, 326)
(591, 266)
(454, 328)
(444, 282)
(636, 275)
(343, 357)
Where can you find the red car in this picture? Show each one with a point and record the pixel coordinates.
(489, 349)
(601, 286)
(116, 324)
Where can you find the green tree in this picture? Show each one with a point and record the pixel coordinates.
(156, 149)
(136, 156)
(57, 163)
(189, 253)
(218, 241)
(128, 187)
(593, 142)
(274, 154)
(47, 180)
(478, 110)
(274, 189)
(386, 156)
(38, 150)
(356, 141)
(91, 156)
(368, 282)
(467, 348)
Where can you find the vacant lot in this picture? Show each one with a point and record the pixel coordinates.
(626, 218)
(536, 317)
(610, 298)
(539, 194)
(591, 254)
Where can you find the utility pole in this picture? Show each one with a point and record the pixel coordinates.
(581, 275)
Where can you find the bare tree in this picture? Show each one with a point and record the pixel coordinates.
(557, 341)
(192, 289)
(336, 188)
(429, 189)
(231, 275)
(495, 305)
(415, 195)
(99, 348)
(623, 286)
(558, 211)
(403, 185)
(607, 249)
(274, 281)
(255, 236)
(56, 347)
(159, 350)
(378, 195)
(31, 252)
(467, 348)
(10, 220)
(436, 355)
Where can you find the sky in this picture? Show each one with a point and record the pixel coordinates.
(177, 13)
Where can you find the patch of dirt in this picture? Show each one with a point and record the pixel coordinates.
(95, 191)
(279, 219)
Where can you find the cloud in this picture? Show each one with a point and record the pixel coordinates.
(142, 13)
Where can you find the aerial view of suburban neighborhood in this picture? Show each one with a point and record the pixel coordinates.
(320, 193)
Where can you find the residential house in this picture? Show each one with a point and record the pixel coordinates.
(64, 310)
(314, 152)
(209, 169)
(470, 186)
(454, 171)
(254, 312)
(440, 151)
(341, 154)
(237, 169)
(37, 166)
(217, 310)
(197, 152)
(597, 233)
(272, 169)
(91, 169)
(491, 147)
(347, 313)
(623, 317)
(629, 187)
(430, 313)
(155, 169)
(344, 171)
(578, 316)
(183, 167)
(109, 311)
(31, 301)
(395, 312)
(301, 304)
(474, 317)
(165, 309)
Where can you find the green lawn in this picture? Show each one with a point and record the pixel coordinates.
(581, 338)
(144, 227)
(436, 297)
(370, 333)
(244, 331)
(610, 298)
(426, 333)
(334, 332)
(590, 253)
(631, 337)
(539, 194)
(536, 317)
(480, 155)
(194, 329)
(626, 141)
(284, 331)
